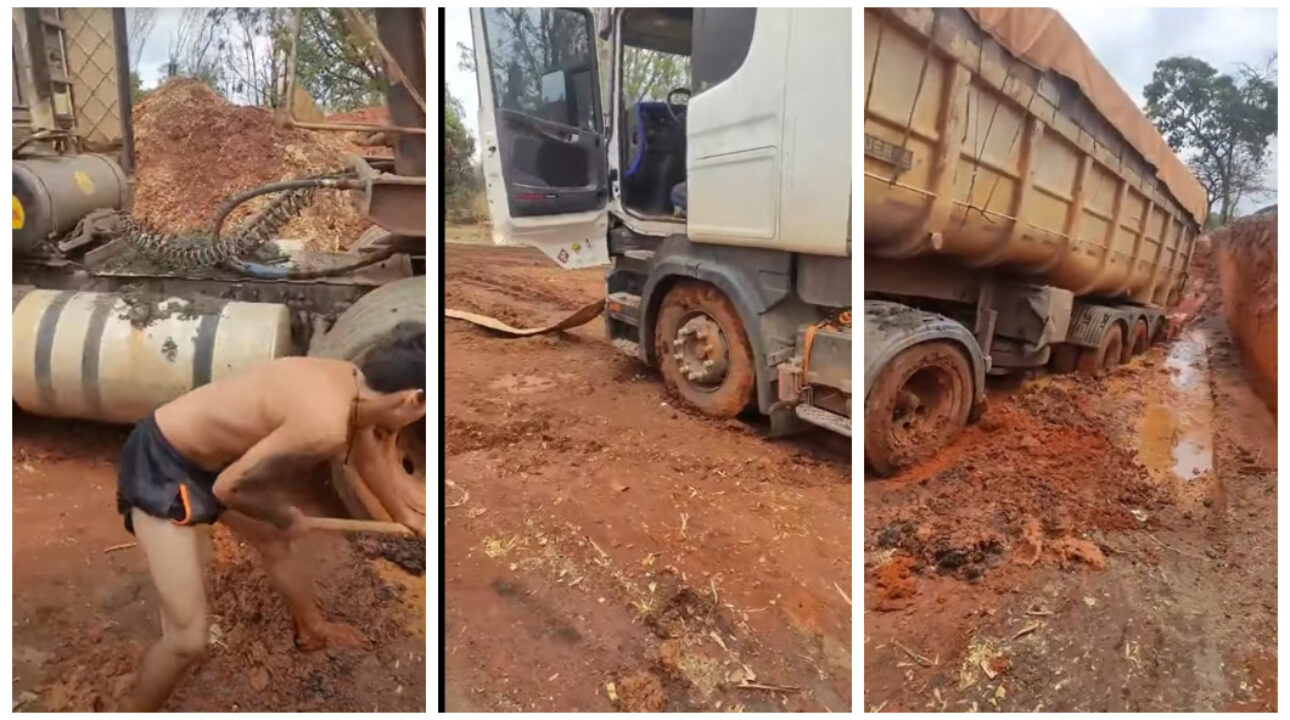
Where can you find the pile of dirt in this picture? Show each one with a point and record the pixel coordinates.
(194, 149)
(379, 115)
(1045, 474)
(1247, 268)
(369, 144)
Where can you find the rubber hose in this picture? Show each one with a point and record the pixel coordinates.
(223, 212)
(267, 272)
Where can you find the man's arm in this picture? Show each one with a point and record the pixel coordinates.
(247, 485)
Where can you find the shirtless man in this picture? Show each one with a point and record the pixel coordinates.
(217, 452)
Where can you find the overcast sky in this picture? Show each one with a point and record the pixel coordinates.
(152, 63)
(1130, 41)
(1127, 41)
(461, 83)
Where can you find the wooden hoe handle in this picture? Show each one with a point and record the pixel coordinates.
(351, 525)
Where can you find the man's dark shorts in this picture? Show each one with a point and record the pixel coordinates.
(154, 477)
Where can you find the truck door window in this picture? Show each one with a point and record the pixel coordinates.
(541, 62)
(722, 37)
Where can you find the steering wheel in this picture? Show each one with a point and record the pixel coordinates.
(672, 98)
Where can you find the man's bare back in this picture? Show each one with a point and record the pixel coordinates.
(218, 453)
(217, 423)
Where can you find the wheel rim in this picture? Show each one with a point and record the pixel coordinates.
(923, 405)
(701, 351)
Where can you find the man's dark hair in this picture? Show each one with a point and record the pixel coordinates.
(399, 362)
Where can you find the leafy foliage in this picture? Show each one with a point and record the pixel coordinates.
(1222, 122)
(462, 180)
(244, 53)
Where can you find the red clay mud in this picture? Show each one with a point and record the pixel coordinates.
(1247, 268)
(1056, 568)
(611, 536)
(85, 612)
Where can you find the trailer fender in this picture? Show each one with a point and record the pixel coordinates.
(754, 280)
(891, 328)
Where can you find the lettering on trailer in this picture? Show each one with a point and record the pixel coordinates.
(888, 153)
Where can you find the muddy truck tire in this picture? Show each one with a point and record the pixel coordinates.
(1104, 357)
(702, 350)
(1138, 342)
(919, 403)
(393, 310)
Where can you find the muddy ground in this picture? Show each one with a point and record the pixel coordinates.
(84, 612)
(1091, 545)
(606, 549)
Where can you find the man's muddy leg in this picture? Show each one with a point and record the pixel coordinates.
(289, 575)
(175, 566)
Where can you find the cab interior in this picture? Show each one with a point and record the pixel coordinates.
(652, 149)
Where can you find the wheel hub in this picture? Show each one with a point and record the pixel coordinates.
(701, 351)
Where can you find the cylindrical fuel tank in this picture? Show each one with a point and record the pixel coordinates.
(112, 358)
(51, 195)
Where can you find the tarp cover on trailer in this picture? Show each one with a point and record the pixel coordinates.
(1044, 39)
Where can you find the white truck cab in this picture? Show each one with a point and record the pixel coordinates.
(722, 203)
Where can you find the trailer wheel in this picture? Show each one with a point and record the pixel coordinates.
(1106, 356)
(391, 310)
(917, 405)
(1138, 342)
(702, 350)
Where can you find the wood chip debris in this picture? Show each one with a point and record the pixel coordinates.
(465, 495)
(122, 546)
(913, 655)
(1028, 629)
(603, 554)
(769, 687)
(843, 594)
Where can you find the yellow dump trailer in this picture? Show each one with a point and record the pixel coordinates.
(1019, 211)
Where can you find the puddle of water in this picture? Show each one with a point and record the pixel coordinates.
(1177, 429)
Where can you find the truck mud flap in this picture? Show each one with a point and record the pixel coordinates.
(581, 317)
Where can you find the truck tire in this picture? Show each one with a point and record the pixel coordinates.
(393, 309)
(1138, 342)
(1106, 356)
(702, 350)
(918, 404)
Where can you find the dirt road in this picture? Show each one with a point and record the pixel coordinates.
(83, 615)
(1092, 545)
(606, 549)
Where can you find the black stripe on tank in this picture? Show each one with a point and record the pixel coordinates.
(45, 347)
(91, 351)
(204, 346)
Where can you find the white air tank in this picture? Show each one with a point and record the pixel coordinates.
(110, 358)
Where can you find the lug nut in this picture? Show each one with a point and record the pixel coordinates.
(678, 356)
(709, 363)
(678, 343)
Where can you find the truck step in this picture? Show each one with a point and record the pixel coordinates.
(825, 419)
(624, 306)
(627, 347)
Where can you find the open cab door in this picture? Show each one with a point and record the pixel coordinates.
(541, 131)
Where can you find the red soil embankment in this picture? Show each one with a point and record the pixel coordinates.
(1246, 254)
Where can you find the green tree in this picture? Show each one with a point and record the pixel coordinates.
(651, 75)
(460, 181)
(1223, 123)
(333, 64)
(136, 87)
